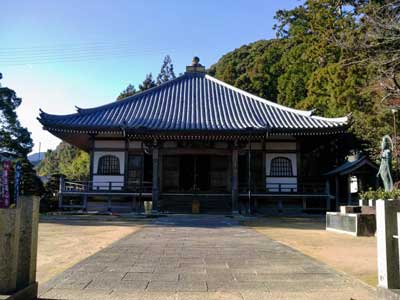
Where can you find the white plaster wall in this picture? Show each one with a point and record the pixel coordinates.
(119, 154)
(109, 144)
(290, 181)
(102, 182)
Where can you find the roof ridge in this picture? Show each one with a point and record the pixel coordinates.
(306, 113)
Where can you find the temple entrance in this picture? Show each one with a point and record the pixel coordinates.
(194, 173)
(200, 178)
(191, 173)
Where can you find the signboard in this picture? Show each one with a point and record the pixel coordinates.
(17, 181)
(5, 193)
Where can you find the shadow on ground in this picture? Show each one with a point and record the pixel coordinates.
(298, 223)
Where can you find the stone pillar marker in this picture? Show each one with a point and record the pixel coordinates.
(387, 245)
(235, 189)
(155, 187)
(9, 242)
(28, 241)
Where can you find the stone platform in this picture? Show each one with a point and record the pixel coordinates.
(201, 257)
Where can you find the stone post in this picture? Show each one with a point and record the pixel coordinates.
(28, 241)
(387, 245)
(9, 242)
(155, 191)
(235, 189)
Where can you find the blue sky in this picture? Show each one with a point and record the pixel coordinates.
(58, 54)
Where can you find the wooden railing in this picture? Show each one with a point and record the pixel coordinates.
(105, 186)
(304, 188)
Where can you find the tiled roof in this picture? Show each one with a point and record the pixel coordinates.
(193, 102)
(350, 166)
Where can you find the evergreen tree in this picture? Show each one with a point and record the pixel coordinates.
(167, 71)
(14, 138)
(129, 91)
(326, 57)
(67, 160)
(148, 83)
(254, 68)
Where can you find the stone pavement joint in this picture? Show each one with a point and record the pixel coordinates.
(201, 257)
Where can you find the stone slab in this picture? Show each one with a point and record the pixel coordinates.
(229, 262)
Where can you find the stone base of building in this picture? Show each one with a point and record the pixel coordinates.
(28, 293)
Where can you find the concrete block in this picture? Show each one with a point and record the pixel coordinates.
(9, 240)
(350, 223)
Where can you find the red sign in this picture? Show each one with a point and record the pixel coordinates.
(5, 193)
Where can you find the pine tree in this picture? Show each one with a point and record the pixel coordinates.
(129, 91)
(148, 83)
(14, 138)
(167, 71)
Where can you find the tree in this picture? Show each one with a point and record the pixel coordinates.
(129, 91)
(379, 41)
(167, 71)
(148, 83)
(14, 138)
(254, 68)
(67, 160)
(326, 58)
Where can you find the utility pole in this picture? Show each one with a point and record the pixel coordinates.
(394, 113)
(40, 154)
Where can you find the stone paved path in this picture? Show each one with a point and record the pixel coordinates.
(203, 257)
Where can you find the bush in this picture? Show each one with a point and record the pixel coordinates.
(380, 194)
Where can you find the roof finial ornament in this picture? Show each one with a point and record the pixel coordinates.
(195, 67)
(195, 61)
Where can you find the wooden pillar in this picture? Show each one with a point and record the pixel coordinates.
(235, 188)
(126, 154)
(155, 188)
(85, 201)
(91, 162)
(328, 194)
(337, 192)
(348, 189)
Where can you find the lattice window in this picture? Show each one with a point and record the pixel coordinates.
(108, 165)
(281, 167)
